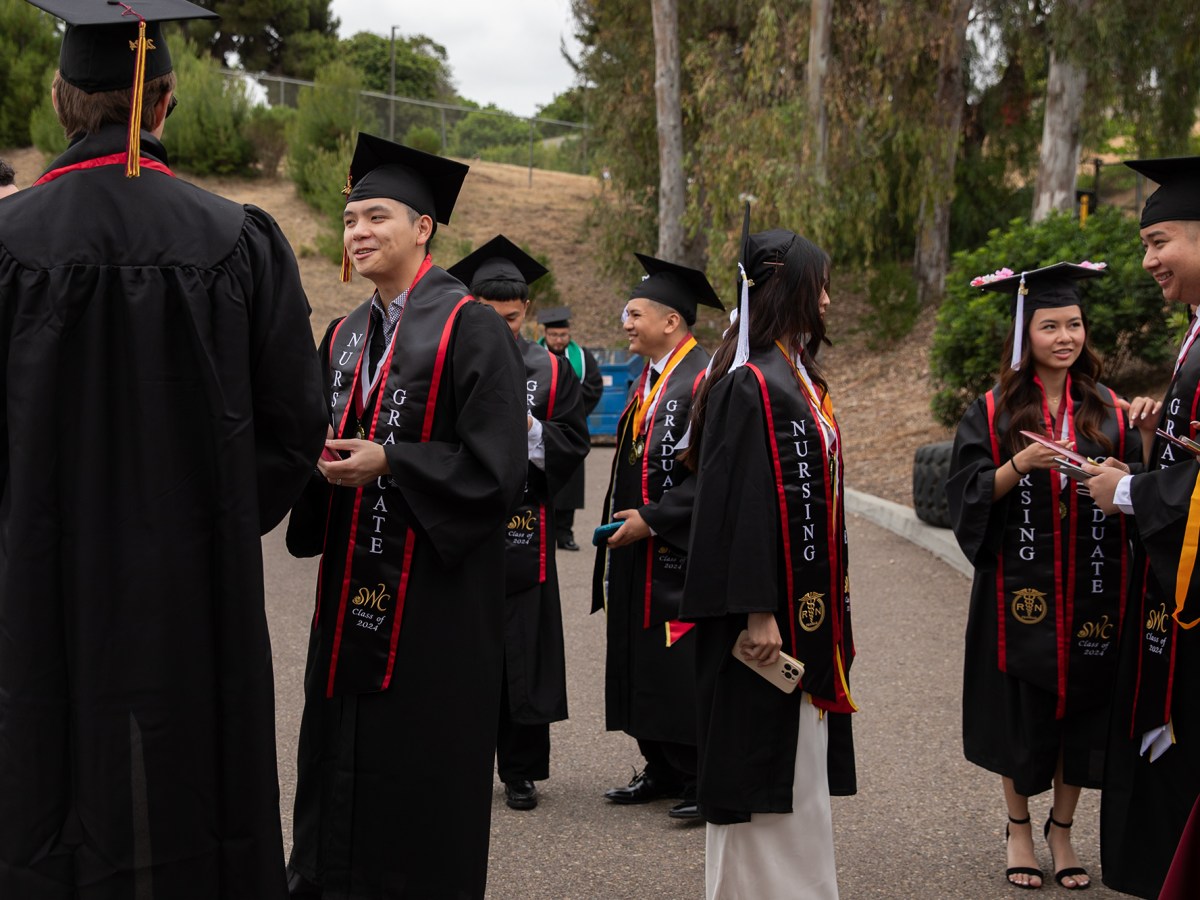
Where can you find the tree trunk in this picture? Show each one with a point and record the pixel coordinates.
(1061, 137)
(671, 183)
(820, 28)
(932, 256)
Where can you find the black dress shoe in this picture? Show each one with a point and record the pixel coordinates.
(688, 809)
(567, 543)
(520, 794)
(642, 789)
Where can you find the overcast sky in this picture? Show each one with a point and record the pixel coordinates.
(501, 51)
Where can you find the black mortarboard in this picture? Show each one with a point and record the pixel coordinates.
(1178, 196)
(1049, 287)
(763, 253)
(424, 182)
(557, 317)
(99, 49)
(497, 260)
(676, 286)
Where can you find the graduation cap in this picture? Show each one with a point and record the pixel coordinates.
(423, 182)
(1050, 287)
(498, 260)
(1178, 196)
(110, 46)
(556, 317)
(679, 287)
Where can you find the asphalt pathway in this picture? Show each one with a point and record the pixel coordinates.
(925, 823)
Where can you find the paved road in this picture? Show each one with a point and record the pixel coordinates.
(925, 823)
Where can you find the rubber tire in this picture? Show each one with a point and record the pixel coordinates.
(931, 466)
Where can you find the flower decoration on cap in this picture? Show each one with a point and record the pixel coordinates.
(981, 280)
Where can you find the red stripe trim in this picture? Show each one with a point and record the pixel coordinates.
(1001, 643)
(440, 364)
(542, 543)
(1140, 623)
(785, 530)
(553, 385)
(114, 159)
(646, 591)
(410, 540)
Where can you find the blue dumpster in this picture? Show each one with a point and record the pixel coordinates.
(618, 368)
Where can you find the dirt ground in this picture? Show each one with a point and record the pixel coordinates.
(881, 397)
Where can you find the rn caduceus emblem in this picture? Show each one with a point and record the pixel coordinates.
(811, 611)
(1029, 606)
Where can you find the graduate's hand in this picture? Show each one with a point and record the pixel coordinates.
(1103, 483)
(762, 641)
(366, 462)
(1039, 456)
(634, 528)
(1142, 413)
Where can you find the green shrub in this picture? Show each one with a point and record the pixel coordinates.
(892, 298)
(476, 131)
(45, 130)
(28, 46)
(206, 134)
(1127, 319)
(267, 130)
(424, 138)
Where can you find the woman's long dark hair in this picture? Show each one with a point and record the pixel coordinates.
(786, 307)
(1021, 398)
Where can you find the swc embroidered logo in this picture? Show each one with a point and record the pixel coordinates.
(811, 610)
(1099, 630)
(1029, 606)
(372, 599)
(523, 521)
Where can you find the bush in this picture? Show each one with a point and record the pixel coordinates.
(207, 132)
(1127, 319)
(267, 131)
(476, 131)
(892, 298)
(45, 131)
(424, 138)
(28, 46)
(321, 144)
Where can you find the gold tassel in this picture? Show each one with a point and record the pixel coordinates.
(133, 149)
(347, 269)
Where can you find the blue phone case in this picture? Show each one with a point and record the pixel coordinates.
(604, 532)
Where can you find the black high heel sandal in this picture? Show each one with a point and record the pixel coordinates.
(1021, 870)
(1074, 871)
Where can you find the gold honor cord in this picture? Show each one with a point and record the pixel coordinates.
(824, 405)
(1187, 560)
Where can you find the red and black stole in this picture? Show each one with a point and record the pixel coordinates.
(364, 613)
(1061, 574)
(526, 536)
(805, 447)
(1165, 591)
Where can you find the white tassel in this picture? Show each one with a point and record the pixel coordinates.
(743, 322)
(1019, 325)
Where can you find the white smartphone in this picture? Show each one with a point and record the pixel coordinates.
(785, 673)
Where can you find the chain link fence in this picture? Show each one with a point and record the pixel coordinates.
(446, 128)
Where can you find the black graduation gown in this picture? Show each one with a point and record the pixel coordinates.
(162, 410)
(571, 494)
(1011, 724)
(393, 796)
(736, 565)
(649, 687)
(535, 661)
(1146, 805)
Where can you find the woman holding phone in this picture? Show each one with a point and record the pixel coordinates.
(1050, 568)
(767, 571)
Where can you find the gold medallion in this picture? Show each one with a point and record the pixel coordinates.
(360, 434)
(636, 451)
(1029, 606)
(811, 611)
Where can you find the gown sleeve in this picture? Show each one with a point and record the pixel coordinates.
(290, 416)
(565, 434)
(459, 486)
(306, 525)
(733, 554)
(969, 487)
(593, 383)
(1166, 506)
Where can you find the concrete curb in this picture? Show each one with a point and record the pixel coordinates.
(903, 521)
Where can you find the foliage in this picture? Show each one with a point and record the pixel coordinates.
(477, 130)
(28, 46)
(321, 143)
(282, 37)
(206, 134)
(266, 130)
(1125, 314)
(566, 107)
(45, 131)
(422, 68)
(424, 138)
(892, 299)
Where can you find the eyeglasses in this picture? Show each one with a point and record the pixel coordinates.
(171, 106)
